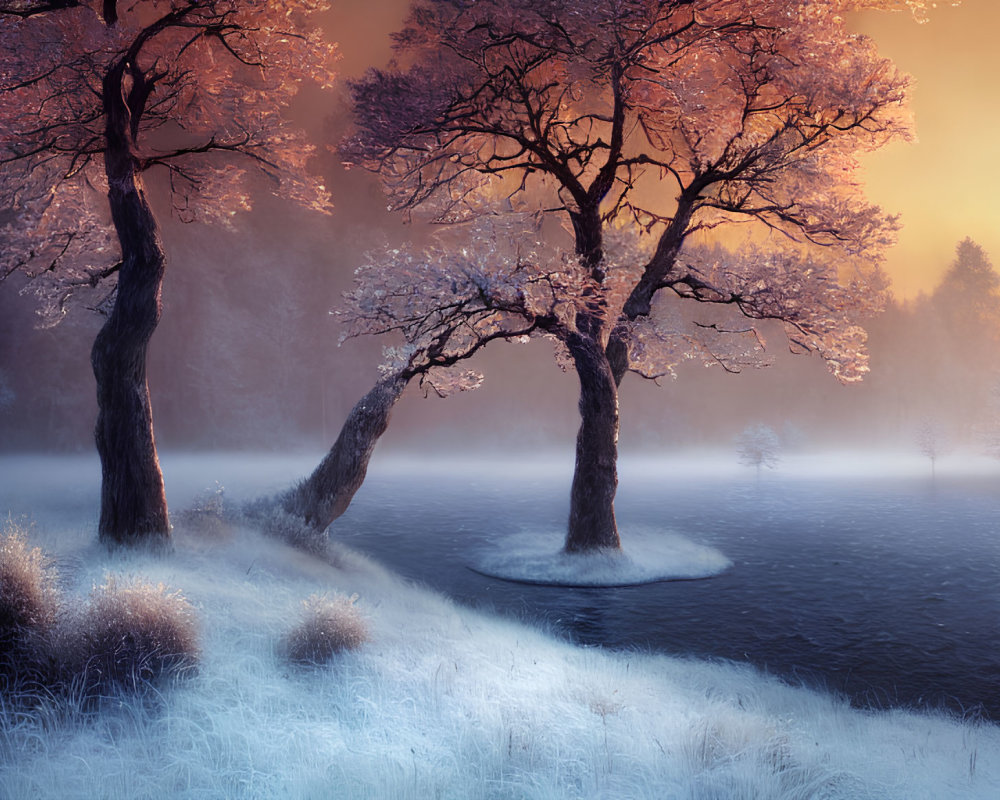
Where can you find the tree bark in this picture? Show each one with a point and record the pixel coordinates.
(133, 502)
(592, 524)
(327, 493)
(595, 479)
(587, 233)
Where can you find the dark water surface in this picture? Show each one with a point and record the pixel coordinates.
(885, 590)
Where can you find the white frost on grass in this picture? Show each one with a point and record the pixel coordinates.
(647, 556)
(442, 702)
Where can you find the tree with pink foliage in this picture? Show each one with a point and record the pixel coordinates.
(95, 97)
(695, 150)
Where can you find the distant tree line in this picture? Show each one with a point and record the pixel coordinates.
(936, 359)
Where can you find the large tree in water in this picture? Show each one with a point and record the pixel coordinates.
(93, 97)
(724, 133)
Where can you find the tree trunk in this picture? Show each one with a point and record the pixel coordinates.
(595, 479)
(133, 503)
(592, 523)
(327, 493)
(588, 235)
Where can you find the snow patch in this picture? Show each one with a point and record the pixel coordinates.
(646, 557)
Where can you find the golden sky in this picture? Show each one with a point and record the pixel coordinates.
(945, 185)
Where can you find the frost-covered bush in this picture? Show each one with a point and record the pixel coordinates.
(270, 517)
(330, 625)
(131, 634)
(29, 603)
(28, 597)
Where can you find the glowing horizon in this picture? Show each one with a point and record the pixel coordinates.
(941, 183)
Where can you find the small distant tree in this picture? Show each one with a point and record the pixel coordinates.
(968, 297)
(931, 440)
(759, 446)
(98, 95)
(963, 314)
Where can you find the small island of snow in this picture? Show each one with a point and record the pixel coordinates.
(646, 557)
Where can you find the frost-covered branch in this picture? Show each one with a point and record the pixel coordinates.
(821, 310)
(487, 281)
(205, 87)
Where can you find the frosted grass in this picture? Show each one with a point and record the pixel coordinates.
(446, 702)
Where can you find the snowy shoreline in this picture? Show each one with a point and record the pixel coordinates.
(443, 701)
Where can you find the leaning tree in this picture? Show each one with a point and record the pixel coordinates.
(491, 280)
(95, 97)
(725, 132)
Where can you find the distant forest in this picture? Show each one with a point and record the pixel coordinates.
(254, 363)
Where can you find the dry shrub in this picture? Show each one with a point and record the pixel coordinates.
(29, 603)
(28, 597)
(132, 634)
(330, 625)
